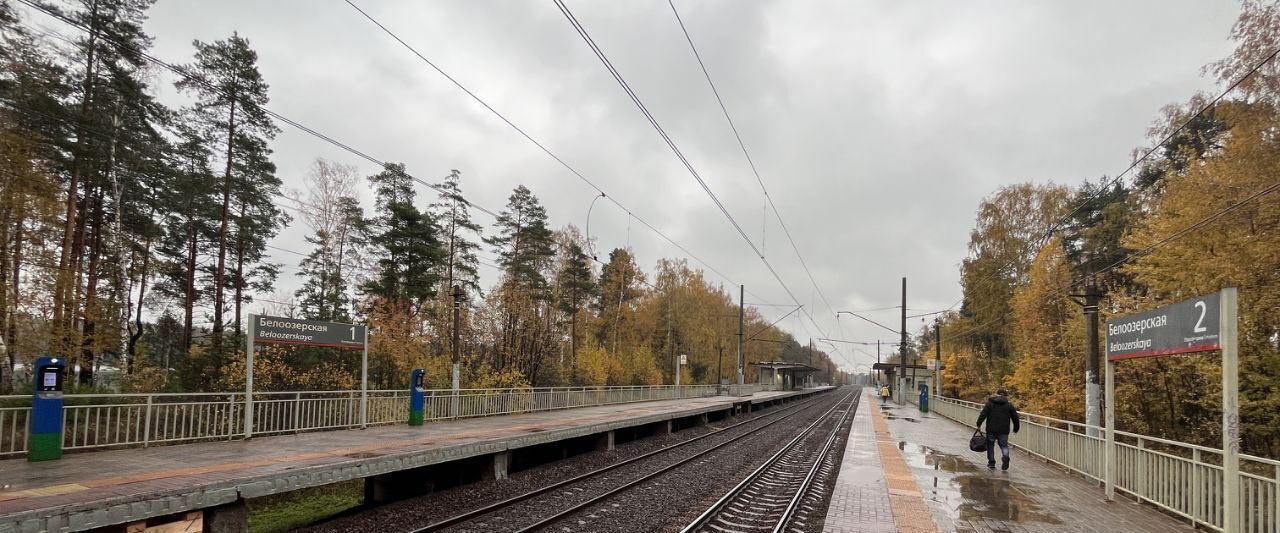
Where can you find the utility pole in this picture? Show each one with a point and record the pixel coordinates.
(1092, 383)
(742, 290)
(902, 347)
(719, 363)
(937, 357)
(878, 362)
(810, 374)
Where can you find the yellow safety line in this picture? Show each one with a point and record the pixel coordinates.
(910, 514)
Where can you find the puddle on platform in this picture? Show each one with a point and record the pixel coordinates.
(997, 498)
(921, 456)
(969, 492)
(907, 418)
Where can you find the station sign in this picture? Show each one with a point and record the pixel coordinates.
(1189, 326)
(279, 330)
(931, 365)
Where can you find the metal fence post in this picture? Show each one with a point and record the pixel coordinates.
(146, 424)
(297, 411)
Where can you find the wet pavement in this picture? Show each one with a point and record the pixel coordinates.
(963, 495)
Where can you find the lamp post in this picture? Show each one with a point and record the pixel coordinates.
(591, 247)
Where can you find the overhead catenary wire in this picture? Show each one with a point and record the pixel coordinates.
(1147, 154)
(572, 170)
(183, 73)
(1151, 248)
(747, 154)
(599, 53)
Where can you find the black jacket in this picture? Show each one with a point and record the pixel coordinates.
(998, 413)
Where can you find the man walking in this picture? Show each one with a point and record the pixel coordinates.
(998, 413)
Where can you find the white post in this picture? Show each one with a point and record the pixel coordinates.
(1229, 339)
(248, 376)
(1109, 450)
(457, 383)
(364, 381)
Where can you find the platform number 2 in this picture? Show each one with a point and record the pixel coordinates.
(1200, 323)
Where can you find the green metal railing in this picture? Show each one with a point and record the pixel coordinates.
(127, 420)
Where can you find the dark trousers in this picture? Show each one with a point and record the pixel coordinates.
(992, 439)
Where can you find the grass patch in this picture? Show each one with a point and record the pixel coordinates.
(279, 513)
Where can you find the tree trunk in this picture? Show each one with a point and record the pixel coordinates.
(63, 306)
(240, 244)
(10, 254)
(132, 346)
(218, 274)
(73, 308)
(189, 286)
(91, 312)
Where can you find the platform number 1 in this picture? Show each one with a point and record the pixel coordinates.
(353, 333)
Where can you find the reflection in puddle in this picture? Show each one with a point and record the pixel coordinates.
(908, 419)
(997, 498)
(921, 456)
(968, 495)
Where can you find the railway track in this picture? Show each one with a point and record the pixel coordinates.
(780, 495)
(540, 508)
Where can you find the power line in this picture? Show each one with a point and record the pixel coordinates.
(1176, 131)
(599, 53)
(747, 154)
(1172, 237)
(535, 142)
(181, 72)
(1182, 126)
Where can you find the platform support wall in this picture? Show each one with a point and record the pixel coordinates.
(501, 465)
(229, 518)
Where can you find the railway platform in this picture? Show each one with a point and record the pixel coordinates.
(123, 489)
(908, 471)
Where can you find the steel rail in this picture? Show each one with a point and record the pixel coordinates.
(476, 513)
(805, 485)
(597, 499)
(708, 515)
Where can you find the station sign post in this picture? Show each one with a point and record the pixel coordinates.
(280, 330)
(1196, 325)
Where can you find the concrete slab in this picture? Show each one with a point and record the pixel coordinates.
(88, 490)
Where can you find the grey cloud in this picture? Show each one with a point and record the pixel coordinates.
(877, 126)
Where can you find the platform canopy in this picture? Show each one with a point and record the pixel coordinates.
(786, 365)
(891, 367)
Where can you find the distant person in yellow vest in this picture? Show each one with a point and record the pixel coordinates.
(884, 393)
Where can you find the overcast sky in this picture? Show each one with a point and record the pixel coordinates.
(877, 127)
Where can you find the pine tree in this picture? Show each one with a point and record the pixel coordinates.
(405, 241)
(523, 243)
(525, 249)
(574, 286)
(230, 93)
(460, 263)
(33, 139)
(191, 224)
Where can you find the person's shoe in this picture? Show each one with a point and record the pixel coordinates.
(992, 465)
(1004, 463)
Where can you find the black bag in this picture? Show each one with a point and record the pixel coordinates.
(978, 442)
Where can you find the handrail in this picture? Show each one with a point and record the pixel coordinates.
(1183, 484)
(140, 419)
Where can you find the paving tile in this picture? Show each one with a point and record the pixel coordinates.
(85, 478)
(1032, 496)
